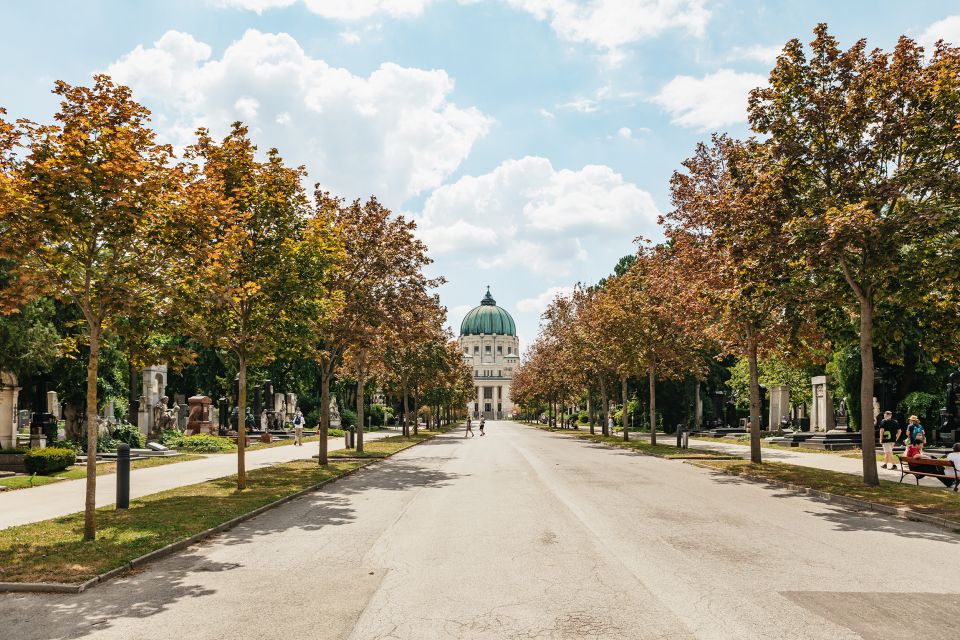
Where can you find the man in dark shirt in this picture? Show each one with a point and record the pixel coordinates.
(889, 434)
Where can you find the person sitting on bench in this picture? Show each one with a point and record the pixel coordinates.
(954, 457)
(916, 451)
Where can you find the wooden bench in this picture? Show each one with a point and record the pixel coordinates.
(949, 472)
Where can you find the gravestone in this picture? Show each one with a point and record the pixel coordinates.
(9, 391)
(53, 404)
(779, 404)
(822, 416)
(198, 420)
(154, 388)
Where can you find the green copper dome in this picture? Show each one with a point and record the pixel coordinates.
(488, 319)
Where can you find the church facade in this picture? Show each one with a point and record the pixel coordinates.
(488, 338)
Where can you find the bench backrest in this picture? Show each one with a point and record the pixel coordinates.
(935, 462)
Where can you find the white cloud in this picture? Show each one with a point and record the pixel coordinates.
(611, 24)
(546, 114)
(624, 133)
(529, 215)
(336, 9)
(393, 133)
(756, 53)
(583, 105)
(715, 100)
(539, 303)
(350, 37)
(947, 29)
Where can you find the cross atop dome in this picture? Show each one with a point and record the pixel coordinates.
(488, 299)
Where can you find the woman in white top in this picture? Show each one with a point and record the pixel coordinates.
(954, 457)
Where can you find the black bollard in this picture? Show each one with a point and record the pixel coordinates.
(123, 476)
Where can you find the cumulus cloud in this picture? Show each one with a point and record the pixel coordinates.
(394, 133)
(336, 9)
(529, 215)
(947, 29)
(756, 53)
(611, 24)
(538, 303)
(715, 100)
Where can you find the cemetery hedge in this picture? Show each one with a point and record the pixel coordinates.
(48, 460)
(202, 443)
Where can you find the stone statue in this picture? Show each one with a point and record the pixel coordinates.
(335, 420)
(163, 418)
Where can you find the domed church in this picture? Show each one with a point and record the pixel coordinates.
(488, 337)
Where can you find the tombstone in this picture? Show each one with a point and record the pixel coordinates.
(842, 418)
(821, 416)
(291, 405)
(143, 415)
(53, 404)
(198, 420)
(109, 412)
(268, 396)
(182, 415)
(224, 415)
(779, 404)
(71, 422)
(9, 392)
(154, 388)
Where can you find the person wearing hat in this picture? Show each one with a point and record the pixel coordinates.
(889, 434)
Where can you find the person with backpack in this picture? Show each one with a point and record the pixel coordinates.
(469, 430)
(889, 433)
(482, 423)
(915, 430)
(298, 429)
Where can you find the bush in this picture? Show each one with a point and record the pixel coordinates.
(167, 436)
(583, 417)
(49, 460)
(129, 433)
(335, 433)
(202, 443)
(348, 418)
(13, 451)
(380, 415)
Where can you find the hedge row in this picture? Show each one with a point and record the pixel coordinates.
(48, 460)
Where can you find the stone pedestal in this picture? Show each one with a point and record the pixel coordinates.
(9, 391)
(198, 419)
(53, 404)
(822, 416)
(779, 404)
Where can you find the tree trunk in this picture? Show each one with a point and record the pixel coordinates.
(590, 414)
(242, 426)
(416, 411)
(361, 382)
(406, 411)
(90, 505)
(867, 430)
(697, 407)
(754, 399)
(623, 414)
(325, 370)
(652, 380)
(605, 427)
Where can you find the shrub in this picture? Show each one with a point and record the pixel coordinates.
(126, 432)
(583, 417)
(380, 415)
(167, 436)
(348, 418)
(335, 433)
(49, 460)
(202, 443)
(14, 451)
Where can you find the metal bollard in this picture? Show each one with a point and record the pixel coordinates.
(679, 438)
(686, 440)
(123, 476)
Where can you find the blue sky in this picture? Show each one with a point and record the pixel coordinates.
(531, 139)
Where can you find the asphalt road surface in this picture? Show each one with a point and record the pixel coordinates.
(526, 534)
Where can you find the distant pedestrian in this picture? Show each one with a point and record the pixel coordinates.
(889, 432)
(483, 421)
(610, 426)
(915, 430)
(298, 429)
(469, 430)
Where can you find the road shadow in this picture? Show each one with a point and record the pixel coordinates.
(849, 519)
(155, 588)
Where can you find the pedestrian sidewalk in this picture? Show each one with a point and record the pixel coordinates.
(66, 497)
(825, 461)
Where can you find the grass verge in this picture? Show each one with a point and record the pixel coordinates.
(928, 500)
(80, 471)
(383, 447)
(52, 550)
(640, 446)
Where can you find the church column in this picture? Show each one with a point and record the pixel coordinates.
(479, 401)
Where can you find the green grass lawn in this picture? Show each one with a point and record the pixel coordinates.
(52, 550)
(80, 471)
(847, 453)
(383, 447)
(635, 444)
(930, 500)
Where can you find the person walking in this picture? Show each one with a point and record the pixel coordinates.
(609, 425)
(889, 432)
(483, 421)
(298, 429)
(469, 430)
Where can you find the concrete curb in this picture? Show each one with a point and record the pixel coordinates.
(904, 514)
(59, 587)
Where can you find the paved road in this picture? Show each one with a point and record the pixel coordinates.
(526, 534)
(66, 497)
